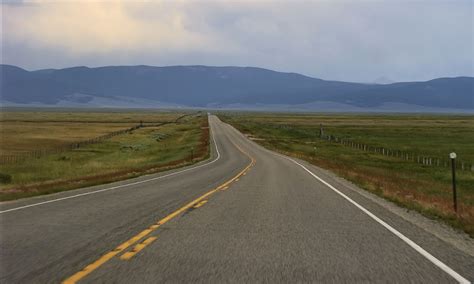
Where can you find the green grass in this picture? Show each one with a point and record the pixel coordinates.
(416, 133)
(145, 150)
(423, 188)
(23, 131)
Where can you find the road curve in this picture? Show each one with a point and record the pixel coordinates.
(246, 215)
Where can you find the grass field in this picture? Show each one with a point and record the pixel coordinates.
(423, 188)
(22, 131)
(145, 150)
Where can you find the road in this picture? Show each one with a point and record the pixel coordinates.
(245, 215)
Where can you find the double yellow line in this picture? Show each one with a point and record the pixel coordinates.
(200, 200)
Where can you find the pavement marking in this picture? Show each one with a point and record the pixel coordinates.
(106, 257)
(118, 186)
(411, 243)
(200, 204)
(128, 255)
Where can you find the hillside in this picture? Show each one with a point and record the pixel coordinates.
(220, 87)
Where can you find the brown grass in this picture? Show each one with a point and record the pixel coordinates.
(43, 130)
(155, 157)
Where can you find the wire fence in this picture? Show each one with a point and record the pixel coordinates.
(426, 160)
(419, 158)
(20, 157)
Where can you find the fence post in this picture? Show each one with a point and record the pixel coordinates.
(453, 171)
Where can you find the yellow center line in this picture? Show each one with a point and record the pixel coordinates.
(200, 204)
(128, 255)
(106, 257)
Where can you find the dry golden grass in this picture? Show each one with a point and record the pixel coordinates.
(28, 131)
(88, 115)
(144, 150)
(18, 137)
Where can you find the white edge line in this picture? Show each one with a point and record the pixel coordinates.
(119, 186)
(411, 243)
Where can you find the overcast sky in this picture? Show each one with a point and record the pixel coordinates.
(339, 40)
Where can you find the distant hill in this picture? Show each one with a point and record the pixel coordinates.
(222, 87)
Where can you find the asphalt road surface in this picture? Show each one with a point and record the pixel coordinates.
(245, 215)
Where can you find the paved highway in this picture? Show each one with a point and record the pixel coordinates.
(245, 215)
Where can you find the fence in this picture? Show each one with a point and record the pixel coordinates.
(425, 160)
(8, 159)
(418, 158)
(11, 159)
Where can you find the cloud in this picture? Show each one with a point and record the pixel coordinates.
(344, 40)
(100, 27)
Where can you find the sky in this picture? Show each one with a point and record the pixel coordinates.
(359, 40)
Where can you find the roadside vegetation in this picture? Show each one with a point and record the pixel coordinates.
(425, 188)
(148, 149)
(23, 131)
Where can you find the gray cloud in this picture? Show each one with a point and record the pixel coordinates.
(339, 40)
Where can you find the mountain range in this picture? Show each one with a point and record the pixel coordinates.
(224, 87)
